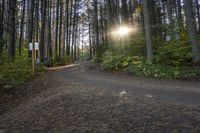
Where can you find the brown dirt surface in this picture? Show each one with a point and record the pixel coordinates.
(77, 99)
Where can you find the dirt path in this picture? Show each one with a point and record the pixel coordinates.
(179, 92)
(78, 98)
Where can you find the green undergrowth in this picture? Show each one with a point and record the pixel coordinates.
(139, 67)
(66, 60)
(15, 72)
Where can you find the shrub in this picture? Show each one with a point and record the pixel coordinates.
(100, 52)
(136, 47)
(159, 71)
(114, 61)
(62, 61)
(13, 72)
(138, 66)
(175, 52)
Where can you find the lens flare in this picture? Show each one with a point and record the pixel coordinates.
(121, 31)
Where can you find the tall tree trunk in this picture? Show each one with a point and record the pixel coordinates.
(60, 29)
(67, 28)
(170, 18)
(12, 28)
(1, 25)
(148, 34)
(37, 20)
(42, 35)
(164, 19)
(57, 24)
(49, 33)
(70, 28)
(180, 16)
(124, 12)
(96, 26)
(198, 14)
(191, 29)
(30, 23)
(22, 28)
(90, 41)
(74, 29)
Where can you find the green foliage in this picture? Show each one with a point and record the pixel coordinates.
(85, 56)
(175, 53)
(136, 46)
(137, 66)
(101, 50)
(62, 61)
(147, 69)
(13, 72)
(112, 61)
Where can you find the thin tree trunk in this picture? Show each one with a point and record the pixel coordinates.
(148, 33)
(12, 28)
(30, 24)
(57, 24)
(67, 28)
(61, 27)
(42, 35)
(1, 25)
(198, 14)
(191, 30)
(22, 28)
(49, 34)
(96, 26)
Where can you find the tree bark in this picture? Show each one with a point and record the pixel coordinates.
(22, 28)
(148, 34)
(1, 25)
(61, 29)
(191, 30)
(198, 14)
(30, 23)
(96, 26)
(57, 24)
(12, 28)
(42, 35)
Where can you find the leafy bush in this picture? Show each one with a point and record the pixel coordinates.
(61, 62)
(136, 47)
(146, 69)
(137, 66)
(85, 56)
(175, 53)
(112, 61)
(101, 50)
(13, 72)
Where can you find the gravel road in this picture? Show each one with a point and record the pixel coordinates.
(82, 99)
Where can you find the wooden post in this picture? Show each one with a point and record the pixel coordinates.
(33, 54)
(33, 49)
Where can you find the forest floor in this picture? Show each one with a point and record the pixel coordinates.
(80, 98)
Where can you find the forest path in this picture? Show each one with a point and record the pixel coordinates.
(80, 98)
(179, 92)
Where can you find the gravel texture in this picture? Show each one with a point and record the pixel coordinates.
(52, 104)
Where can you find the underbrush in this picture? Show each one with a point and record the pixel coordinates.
(62, 61)
(14, 72)
(139, 67)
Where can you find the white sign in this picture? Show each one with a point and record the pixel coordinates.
(168, 38)
(36, 46)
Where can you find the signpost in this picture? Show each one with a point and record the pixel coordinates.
(36, 46)
(33, 47)
(168, 38)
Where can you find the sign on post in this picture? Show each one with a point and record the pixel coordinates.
(168, 38)
(31, 46)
